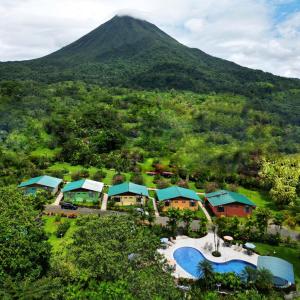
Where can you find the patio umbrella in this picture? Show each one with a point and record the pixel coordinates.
(249, 246)
(164, 240)
(228, 238)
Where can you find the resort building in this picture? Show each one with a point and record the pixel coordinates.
(282, 271)
(229, 204)
(44, 182)
(178, 197)
(128, 193)
(84, 191)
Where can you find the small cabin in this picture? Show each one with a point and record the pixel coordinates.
(178, 197)
(84, 191)
(128, 193)
(229, 204)
(44, 182)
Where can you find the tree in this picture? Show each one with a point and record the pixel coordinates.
(24, 249)
(187, 217)
(278, 220)
(206, 273)
(262, 216)
(264, 279)
(173, 214)
(98, 258)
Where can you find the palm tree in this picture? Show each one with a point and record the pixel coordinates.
(249, 274)
(264, 279)
(206, 273)
(187, 218)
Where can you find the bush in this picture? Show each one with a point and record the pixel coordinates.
(199, 185)
(211, 187)
(183, 183)
(83, 173)
(62, 229)
(232, 187)
(118, 178)
(137, 178)
(57, 218)
(99, 175)
(162, 184)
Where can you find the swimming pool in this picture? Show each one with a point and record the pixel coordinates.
(188, 259)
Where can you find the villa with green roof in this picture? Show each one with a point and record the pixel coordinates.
(44, 182)
(229, 204)
(128, 193)
(178, 197)
(83, 192)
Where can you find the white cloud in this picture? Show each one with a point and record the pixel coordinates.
(243, 31)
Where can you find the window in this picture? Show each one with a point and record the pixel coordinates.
(175, 201)
(117, 199)
(192, 203)
(220, 209)
(167, 203)
(183, 201)
(247, 209)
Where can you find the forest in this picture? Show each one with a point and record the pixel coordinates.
(74, 129)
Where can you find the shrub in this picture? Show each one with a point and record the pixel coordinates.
(211, 187)
(99, 175)
(57, 218)
(232, 187)
(118, 178)
(162, 184)
(137, 178)
(62, 229)
(183, 183)
(199, 185)
(83, 173)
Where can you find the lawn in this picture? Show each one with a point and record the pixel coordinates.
(284, 252)
(50, 227)
(261, 199)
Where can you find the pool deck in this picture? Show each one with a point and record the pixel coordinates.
(228, 253)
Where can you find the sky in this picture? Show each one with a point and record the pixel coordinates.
(259, 34)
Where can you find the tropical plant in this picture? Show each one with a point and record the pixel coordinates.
(187, 217)
(173, 215)
(206, 274)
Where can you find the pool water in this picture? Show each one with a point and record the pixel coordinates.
(188, 259)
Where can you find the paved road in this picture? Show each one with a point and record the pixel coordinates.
(159, 220)
(79, 211)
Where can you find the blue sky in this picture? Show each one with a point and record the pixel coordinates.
(260, 34)
(283, 9)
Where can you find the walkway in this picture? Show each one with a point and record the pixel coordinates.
(155, 207)
(228, 253)
(58, 199)
(104, 202)
(207, 215)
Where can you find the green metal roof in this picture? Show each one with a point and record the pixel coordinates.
(128, 187)
(223, 197)
(281, 269)
(175, 192)
(42, 180)
(86, 184)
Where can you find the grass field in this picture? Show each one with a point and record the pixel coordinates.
(50, 227)
(284, 252)
(261, 199)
